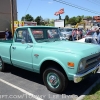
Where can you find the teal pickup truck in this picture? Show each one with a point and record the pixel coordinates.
(39, 49)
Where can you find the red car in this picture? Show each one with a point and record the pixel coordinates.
(89, 34)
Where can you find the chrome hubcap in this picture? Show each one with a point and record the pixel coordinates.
(53, 80)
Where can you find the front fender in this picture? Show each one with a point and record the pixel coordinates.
(55, 60)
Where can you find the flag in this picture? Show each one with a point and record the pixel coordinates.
(56, 13)
(61, 11)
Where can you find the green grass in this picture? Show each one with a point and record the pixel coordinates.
(94, 94)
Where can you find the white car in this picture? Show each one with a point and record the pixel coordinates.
(66, 33)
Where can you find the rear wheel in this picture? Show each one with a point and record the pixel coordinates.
(55, 80)
(2, 65)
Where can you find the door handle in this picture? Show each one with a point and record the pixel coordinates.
(13, 47)
(29, 45)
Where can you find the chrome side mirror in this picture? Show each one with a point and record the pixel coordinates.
(23, 41)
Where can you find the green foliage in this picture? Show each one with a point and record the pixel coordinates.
(39, 20)
(74, 20)
(89, 17)
(94, 94)
(28, 17)
(23, 18)
(67, 18)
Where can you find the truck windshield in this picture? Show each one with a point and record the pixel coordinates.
(46, 35)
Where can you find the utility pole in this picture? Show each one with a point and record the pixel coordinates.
(59, 17)
(12, 17)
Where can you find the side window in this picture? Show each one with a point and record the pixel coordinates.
(23, 35)
(52, 33)
(19, 36)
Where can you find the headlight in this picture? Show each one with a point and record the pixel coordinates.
(81, 66)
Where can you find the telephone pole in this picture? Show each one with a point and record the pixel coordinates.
(12, 17)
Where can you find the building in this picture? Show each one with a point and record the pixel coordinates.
(5, 14)
(87, 21)
(96, 21)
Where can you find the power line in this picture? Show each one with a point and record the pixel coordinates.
(96, 3)
(28, 6)
(76, 6)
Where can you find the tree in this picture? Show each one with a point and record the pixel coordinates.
(89, 18)
(39, 20)
(66, 17)
(28, 17)
(47, 21)
(72, 21)
(23, 18)
(78, 19)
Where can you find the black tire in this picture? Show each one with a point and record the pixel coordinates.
(62, 79)
(2, 65)
(70, 38)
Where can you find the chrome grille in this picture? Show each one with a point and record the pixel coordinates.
(93, 60)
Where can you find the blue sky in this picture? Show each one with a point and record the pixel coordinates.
(47, 8)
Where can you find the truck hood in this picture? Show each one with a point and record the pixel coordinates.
(72, 47)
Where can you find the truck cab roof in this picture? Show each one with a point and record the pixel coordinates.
(37, 27)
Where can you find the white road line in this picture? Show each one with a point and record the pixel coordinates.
(20, 89)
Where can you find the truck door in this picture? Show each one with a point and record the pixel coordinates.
(21, 50)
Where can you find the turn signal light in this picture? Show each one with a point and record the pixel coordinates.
(70, 64)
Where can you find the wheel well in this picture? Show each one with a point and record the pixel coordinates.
(71, 36)
(47, 63)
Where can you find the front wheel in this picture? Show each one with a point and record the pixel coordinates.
(70, 38)
(2, 65)
(54, 80)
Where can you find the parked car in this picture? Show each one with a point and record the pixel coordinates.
(66, 33)
(57, 61)
(88, 38)
(90, 34)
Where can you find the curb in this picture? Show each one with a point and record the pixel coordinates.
(88, 90)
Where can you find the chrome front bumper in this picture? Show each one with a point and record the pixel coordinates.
(80, 77)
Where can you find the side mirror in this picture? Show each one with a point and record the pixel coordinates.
(23, 41)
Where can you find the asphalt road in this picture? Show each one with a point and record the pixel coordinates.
(19, 84)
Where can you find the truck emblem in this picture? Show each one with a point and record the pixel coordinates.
(36, 55)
